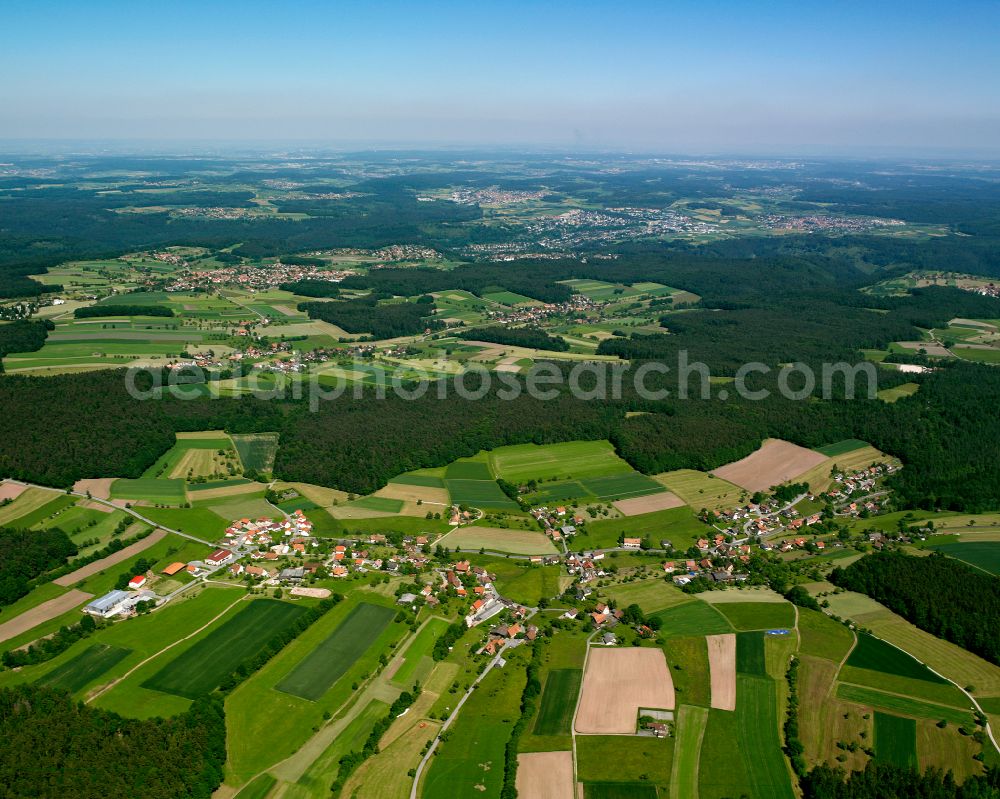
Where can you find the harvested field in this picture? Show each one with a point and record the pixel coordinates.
(413, 493)
(617, 683)
(100, 565)
(313, 593)
(722, 665)
(648, 504)
(11, 490)
(545, 775)
(701, 490)
(775, 462)
(42, 613)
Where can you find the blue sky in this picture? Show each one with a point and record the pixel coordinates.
(795, 77)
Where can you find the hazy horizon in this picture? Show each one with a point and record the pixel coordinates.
(723, 78)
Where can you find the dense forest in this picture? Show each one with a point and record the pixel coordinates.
(887, 781)
(23, 336)
(312, 288)
(54, 747)
(380, 320)
(25, 554)
(121, 309)
(532, 337)
(939, 595)
(359, 444)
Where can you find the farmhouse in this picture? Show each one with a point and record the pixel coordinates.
(631, 543)
(137, 582)
(219, 557)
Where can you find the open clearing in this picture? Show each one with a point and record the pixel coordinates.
(545, 775)
(648, 504)
(314, 675)
(774, 463)
(42, 613)
(116, 557)
(616, 684)
(200, 669)
(722, 666)
(516, 542)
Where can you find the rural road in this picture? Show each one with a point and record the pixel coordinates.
(454, 713)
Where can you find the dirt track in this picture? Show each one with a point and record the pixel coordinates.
(110, 560)
(775, 462)
(722, 664)
(616, 684)
(42, 613)
(545, 775)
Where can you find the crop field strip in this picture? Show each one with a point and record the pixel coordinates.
(90, 664)
(555, 713)
(420, 647)
(877, 655)
(983, 555)
(201, 668)
(750, 654)
(759, 743)
(758, 615)
(904, 705)
(692, 618)
(895, 740)
(317, 672)
(690, 731)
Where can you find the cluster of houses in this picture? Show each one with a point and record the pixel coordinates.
(555, 522)
(248, 277)
(579, 305)
(859, 484)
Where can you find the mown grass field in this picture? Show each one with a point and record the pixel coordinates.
(983, 555)
(624, 758)
(759, 743)
(758, 615)
(468, 470)
(90, 664)
(517, 542)
(941, 692)
(29, 501)
(572, 459)
(821, 636)
(555, 713)
(701, 490)
(531, 584)
(479, 493)
(722, 744)
(750, 654)
(650, 595)
(690, 730)
(331, 659)
(257, 450)
(470, 763)
(200, 669)
(895, 740)
(903, 705)
(842, 447)
(692, 618)
(419, 649)
(689, 669)
(877, 655)
(164, 491)
(679, 525)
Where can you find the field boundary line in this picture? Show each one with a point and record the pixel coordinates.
(975, 704)
(127, 674)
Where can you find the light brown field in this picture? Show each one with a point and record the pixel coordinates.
(226, 491)
(321, 495)
(653, 502)
(545, 775)
(199, 462)
(91, 504)
(945, 750)
(11, 490)
(775, 462)
(346, 512)
(722, 667)
(616, 684)
(752, 594)
(821, 715)
(197, 435)
(408, 493)
(930, 347)
(42, 613)
(516, 542)
(100, 565)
